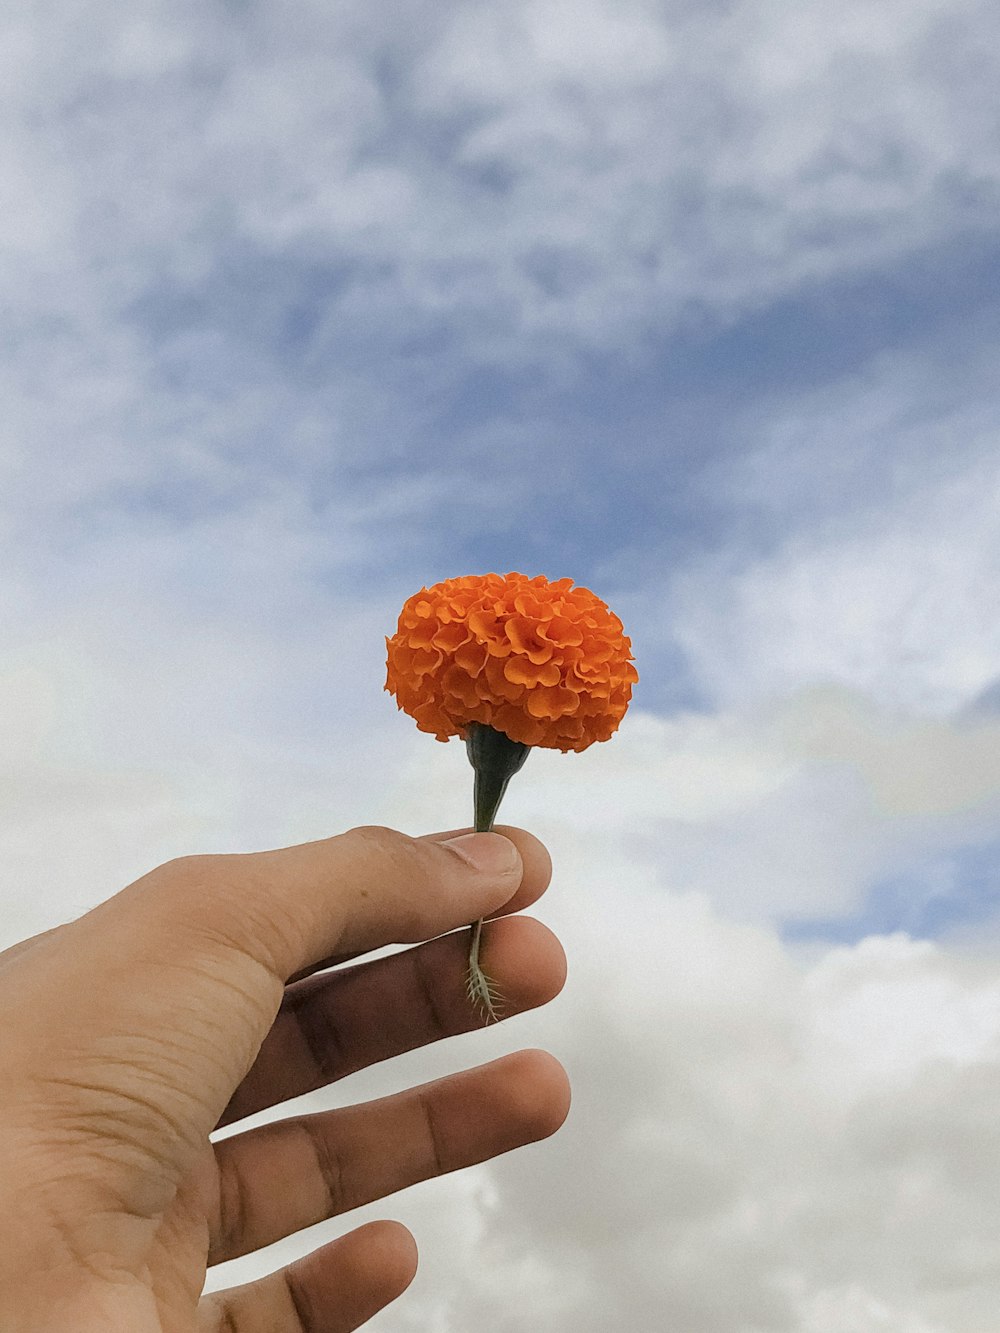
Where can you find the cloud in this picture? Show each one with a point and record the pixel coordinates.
(525, 174)
(753, 1144)
(874, 559)
(684, 300)
(348, 252)
(764, 1146)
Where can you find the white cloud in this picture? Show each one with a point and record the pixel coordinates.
(881, 569)
(749, 150)
(791, 812)
(754, 1158)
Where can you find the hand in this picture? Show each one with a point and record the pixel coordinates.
(193, 999)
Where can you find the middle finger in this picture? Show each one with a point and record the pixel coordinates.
(336, 1023)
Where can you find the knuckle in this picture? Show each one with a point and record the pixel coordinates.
(234, 1221)
(337, 1195)
(221, 903)
(191, 869)
(378, 836)
(399, 870)
(394, 849)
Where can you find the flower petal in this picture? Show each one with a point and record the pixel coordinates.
(546, 662)
(526, 671)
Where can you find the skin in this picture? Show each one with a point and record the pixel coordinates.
(194, 998)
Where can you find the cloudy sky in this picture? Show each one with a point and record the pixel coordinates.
(307, 304)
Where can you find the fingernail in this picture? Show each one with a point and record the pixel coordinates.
(487, 853)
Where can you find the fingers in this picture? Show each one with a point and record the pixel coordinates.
(536, 874)
(218, 936)
(325, 1029)
(333, 1290)
(296, 1172)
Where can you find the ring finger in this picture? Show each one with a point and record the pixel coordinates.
(293, 1173)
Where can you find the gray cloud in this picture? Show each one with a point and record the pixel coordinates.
(545, 169)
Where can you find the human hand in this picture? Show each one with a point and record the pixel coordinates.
(191, 1000)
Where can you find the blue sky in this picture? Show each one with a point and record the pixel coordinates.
(957, 886)
(307, 305)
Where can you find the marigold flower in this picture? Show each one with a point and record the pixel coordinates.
(545, 663)
(508, 662)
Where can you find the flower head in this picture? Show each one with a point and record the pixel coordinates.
(545, 663)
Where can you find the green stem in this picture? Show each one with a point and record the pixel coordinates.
(495, 759)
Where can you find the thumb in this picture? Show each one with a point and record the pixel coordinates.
(347, 894)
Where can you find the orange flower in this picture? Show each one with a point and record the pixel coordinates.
(545, 663)
(507, 662)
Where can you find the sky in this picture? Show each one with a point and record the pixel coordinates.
(307, 305)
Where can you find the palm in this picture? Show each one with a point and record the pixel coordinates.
(178, 1057)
